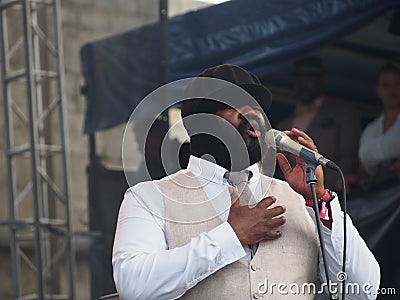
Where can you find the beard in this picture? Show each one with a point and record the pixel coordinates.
(252, 143)
(234, 159)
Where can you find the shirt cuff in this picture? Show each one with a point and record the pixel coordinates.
(334, 236)
(225, 237)
(337, 216)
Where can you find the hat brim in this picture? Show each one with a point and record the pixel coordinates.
(231, 96)
(236, 98)
(260, 93)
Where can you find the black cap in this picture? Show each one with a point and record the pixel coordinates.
(234, 74)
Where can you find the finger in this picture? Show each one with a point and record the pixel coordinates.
(299, 133)
(235, 198)
(266, 202)
(287, 132)
(299, 161)
(308, 143)
(273, 234)
(302, 138)
(275, 211)
(275, 222)
(284, 164)
(291, 135)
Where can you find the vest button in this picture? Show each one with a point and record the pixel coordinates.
(253, 268)
(256, 295)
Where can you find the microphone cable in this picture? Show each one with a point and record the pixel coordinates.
(343, 276)
(344, 201)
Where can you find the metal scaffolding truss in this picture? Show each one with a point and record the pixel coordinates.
(35, 137)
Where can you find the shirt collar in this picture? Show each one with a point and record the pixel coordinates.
(255, 169)
(380, 120)
(213, 172)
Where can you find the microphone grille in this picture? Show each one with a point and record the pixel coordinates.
(278, 135)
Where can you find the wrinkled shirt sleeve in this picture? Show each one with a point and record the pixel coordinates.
(144, 267)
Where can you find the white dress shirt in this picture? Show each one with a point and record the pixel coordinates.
(378, 148)
(145, 268)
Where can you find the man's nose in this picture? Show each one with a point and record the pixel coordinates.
(246, 109)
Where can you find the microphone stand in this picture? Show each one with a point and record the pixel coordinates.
(311, 180)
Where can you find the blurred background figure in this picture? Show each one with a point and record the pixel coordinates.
(375, 205)
(379, 151)
(332, 123)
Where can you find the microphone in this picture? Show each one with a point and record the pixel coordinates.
(285, 143)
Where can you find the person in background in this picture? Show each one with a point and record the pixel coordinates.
(333, 124)
(379, 150)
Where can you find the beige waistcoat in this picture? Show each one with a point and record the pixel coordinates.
(291, 260)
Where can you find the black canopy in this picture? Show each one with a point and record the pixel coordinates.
(256, 34)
